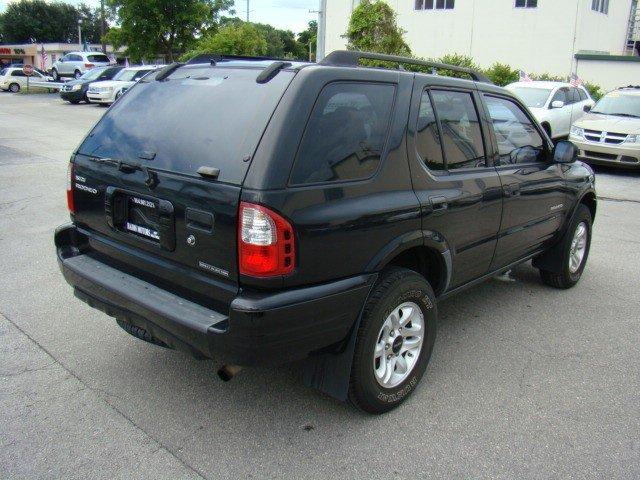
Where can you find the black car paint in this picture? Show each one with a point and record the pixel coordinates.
(81, 95)
(495, 217)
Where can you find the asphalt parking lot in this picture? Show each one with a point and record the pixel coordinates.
(525, 381)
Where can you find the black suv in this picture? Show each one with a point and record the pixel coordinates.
(263, 211)
(75, 91)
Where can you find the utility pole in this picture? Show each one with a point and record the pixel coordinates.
(102, 27)
(247, 11)
(80, 33)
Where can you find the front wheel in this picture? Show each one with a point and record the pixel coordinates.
(77, 74)
(55, 75)
(14, 88)
(394, 341)
(574, 251)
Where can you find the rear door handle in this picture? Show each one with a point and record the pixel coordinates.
(438, 204)
(512, 190)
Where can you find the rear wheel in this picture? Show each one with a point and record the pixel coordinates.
(394, 342)
(574, 251)
(55, 75)
(14, 87)
(77, 74)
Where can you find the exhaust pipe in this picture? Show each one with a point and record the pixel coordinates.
(227, 372)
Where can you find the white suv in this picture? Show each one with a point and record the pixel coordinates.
(556, 105)
(13, 79)
(108, 91)
(74, 64)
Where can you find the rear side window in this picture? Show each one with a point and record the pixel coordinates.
(18, 73)
(461, 133)
(98, 58)
(428, 141)
(346, 133)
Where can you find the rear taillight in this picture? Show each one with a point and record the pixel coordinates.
(266, 242)
(89, 65)
(71, 205)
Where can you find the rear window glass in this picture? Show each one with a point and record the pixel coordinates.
(204, 116)
(346, 133)
(98, 58)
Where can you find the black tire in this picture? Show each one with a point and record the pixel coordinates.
(14, 88)
(567, 279)
(74, 102)
(55, 75)
(140, 333)
(77, 74)
(394, 287)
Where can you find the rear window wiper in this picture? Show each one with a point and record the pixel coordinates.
(126, 167)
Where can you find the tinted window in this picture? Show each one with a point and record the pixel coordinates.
(518, 140)
(140, 73)
(214, 121)
(18, 73)
(574, 95)
(561, 96)
(75, 58)
(583, 95)
(427, 135)
(461, 134)
(98, 58)
(345, 134)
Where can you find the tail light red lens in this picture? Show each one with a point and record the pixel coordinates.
(71, 205)
(266, 242)
(89, 65)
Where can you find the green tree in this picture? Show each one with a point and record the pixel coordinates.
(33, 19)
(373, 28)
(231, 39)
(169, 27)
(502, 74)
(308, 39)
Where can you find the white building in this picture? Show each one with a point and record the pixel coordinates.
(31, 53)
(536, 36)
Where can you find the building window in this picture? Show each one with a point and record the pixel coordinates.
(434, 4)
(526, 3)
(601, 6)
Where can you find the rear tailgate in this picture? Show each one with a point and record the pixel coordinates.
(136, 187)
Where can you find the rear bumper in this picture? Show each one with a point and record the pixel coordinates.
(258, 328)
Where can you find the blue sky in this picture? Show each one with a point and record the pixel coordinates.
(286, 14)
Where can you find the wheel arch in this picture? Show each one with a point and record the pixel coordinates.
(423, 252)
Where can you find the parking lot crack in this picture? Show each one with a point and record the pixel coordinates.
(612, 199)
(101, 395)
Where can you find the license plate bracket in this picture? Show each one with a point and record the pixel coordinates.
(148, 219)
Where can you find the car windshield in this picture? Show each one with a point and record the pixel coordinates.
(128, 74)
(532, 97)
(92, 74)
(616, 103)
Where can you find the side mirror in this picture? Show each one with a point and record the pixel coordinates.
(587, 108)
(565, 152)
(557, 104)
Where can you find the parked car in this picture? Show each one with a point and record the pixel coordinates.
(74, 64)
(555, 105)
(265, 212)
(45, 74)
(13, 79)
(75, 91)
(610, 133)
(107, 92)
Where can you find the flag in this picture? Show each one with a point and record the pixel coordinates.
(43, 59)
(575, 80)
(524, 77)
(126, 62)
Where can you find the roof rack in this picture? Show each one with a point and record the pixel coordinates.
(351, 58)
(215, 58)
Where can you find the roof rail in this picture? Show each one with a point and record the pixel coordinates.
(351, 58)
(215, 58)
